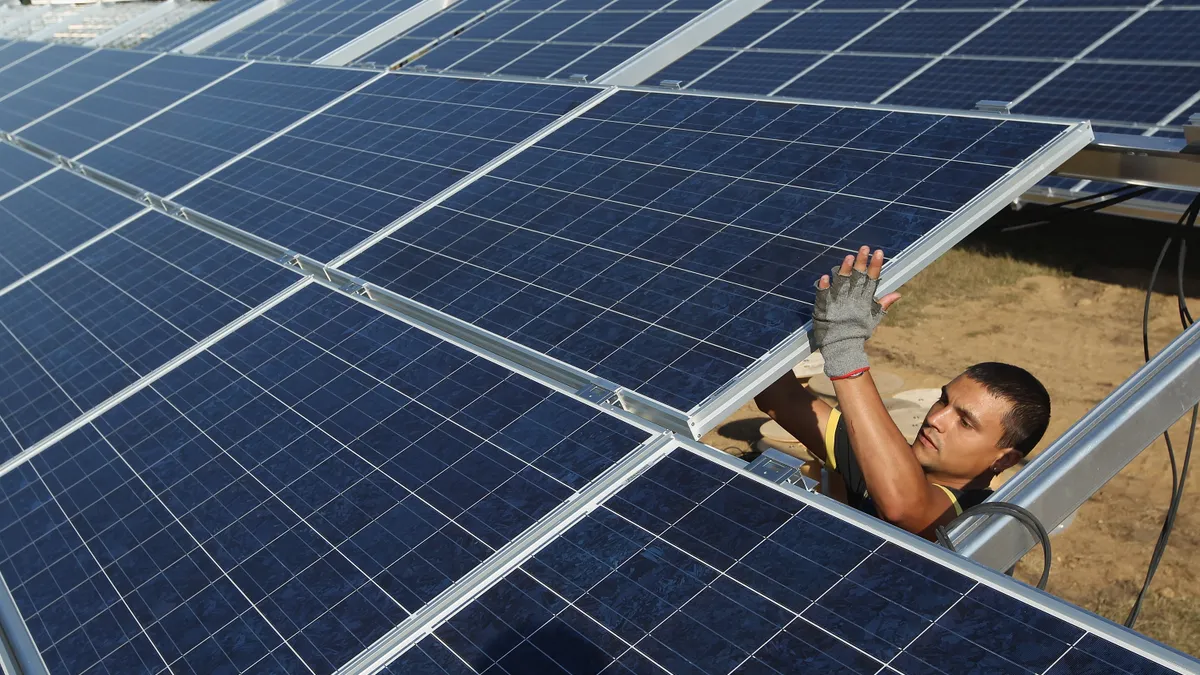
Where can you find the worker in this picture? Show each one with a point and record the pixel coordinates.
(987, 420)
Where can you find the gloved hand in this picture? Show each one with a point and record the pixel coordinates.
(845, 314)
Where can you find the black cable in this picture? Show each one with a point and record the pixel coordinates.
(1022, 516)
(1178, 474)
(1059, 210)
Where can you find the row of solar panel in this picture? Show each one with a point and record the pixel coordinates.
(297, 488)
(665, 259)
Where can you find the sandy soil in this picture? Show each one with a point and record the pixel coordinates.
(1071, 314)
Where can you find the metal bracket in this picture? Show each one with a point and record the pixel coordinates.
(1000, 107)
(779, 467)
(354, 287)
(596, 393)
(1191, 134)
(671, 84)
(419, 68)
(155, 202)
(579, 78)
(289, 258)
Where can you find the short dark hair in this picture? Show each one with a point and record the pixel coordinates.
(1029, 416)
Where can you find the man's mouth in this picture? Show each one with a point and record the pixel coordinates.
(926, 440)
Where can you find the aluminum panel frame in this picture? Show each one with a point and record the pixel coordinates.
(229, 27)
(383, 33)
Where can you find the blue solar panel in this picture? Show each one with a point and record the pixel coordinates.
(666, 242)
(853, 78)
(921, 32)
(691, 66)
(125, 102)
(820, 30)
(65, 85)
(165, 153)
(14, 51)
(352, 170)
(695, 568)
(17, 167)
(280, 501)
(755, 72)
(306, 30)
(507, 39)
(192, 27)
(1158, 35)
(1043, 34)
(751, 28)
(92, 324)
(1115, 92)
(37, 65)
(52, 216)
(961, 83)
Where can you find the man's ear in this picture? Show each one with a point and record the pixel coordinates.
(1007, 458)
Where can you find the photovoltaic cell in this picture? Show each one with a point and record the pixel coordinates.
(18, 167)
(755, 72)
(921, 32)
(37, 65)
(240, 523)
(820, 30)
(125, 305)
(696, 568)
(165, 153)
(192, 27)
(306, 30)
(666, 242)
(1115, 92)
(852, 78)
(65, 85)
(961, 83)
(52, 216)
(125, 102)
(691, 66)
(1043, 34)
(355, 168)
(17, 49)
(1161, 35)
(514, 38)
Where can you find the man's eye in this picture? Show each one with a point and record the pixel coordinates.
(966, 424)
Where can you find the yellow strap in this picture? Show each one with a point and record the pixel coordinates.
(830, 435)
(953, 499)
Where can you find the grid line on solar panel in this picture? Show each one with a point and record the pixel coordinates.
(356, 167)
(1013, 44)
(51, 217)
(113, 312)
(17, 168)
(328, 508)
(148, 91)
(33, 67)
(666, 242)
(204, 132)
(640, 585)
(555, 39)
(306, 30)
(196, 25)
(65, 85)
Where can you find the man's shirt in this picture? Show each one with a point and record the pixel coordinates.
(840, 459)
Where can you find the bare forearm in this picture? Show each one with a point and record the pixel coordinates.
(801, 414)
(894, 477)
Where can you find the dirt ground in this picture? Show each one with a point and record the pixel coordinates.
(1064, 301)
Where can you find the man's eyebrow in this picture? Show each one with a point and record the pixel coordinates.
(971, 417)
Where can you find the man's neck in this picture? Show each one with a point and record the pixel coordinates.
(981, 482)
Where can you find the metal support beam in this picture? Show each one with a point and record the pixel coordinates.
(1064, 476)
(1144, 209)
(381, 34)
(1151, 161)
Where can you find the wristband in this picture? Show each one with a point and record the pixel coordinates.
(850, 375)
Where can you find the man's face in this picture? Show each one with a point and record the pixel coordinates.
(961, 432)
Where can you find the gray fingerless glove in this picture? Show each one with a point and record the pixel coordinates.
(844, 316)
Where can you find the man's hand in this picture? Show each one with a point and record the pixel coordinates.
(846, 313)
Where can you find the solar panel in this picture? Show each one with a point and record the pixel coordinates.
(64, 85)
(125, 102)
(352, 170)
(113, 312)
(168, 151)
(17, 167)
(667, 242)
(37, 64)
(286, 497)
(559, 39)
(306, 30)
(696, 568)
(45, 219)
(214, 15)
(1049, 57)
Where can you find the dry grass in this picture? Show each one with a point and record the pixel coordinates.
(963, 273)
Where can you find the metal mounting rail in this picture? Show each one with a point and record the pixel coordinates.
(1152, 161)
(1065, 475)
